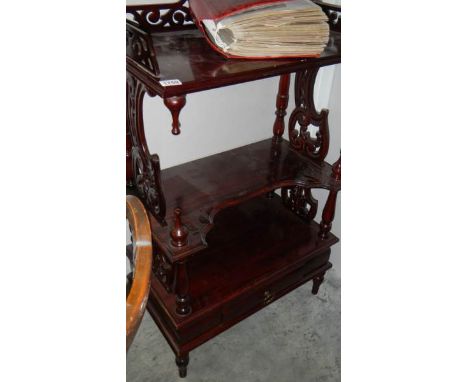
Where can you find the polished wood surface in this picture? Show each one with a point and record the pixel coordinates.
(248, 265)
(225, 245)
(202, 188)
(142, 263)
(187, 57)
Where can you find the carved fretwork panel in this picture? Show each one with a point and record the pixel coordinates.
(163, 270)
(160, 17)
(300, 201)
(140, 48)
(145, 167)
(305, 115)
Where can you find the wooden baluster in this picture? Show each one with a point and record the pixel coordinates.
(179, 232)
(328, 214)
(281, 105)
(175, 105)
(181, 288)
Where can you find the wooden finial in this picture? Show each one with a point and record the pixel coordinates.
(179, 232)
(175, 105)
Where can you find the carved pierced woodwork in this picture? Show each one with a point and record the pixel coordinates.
(163, 270)
(140, 48)
(306, 115)
(195, 291)
(161, 17)
(300, 201)
(145, 167)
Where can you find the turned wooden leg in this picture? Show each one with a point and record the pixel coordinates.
(317, 281)
(182, 362)
(281, 105)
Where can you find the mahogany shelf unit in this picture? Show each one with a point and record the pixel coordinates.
(225, 243)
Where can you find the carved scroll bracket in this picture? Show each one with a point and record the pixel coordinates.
(305, 115)
(300, 201)
(146, 169)
(163, 269)
(140, 48)
(160, 17)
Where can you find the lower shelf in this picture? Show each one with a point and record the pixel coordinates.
(258, 252)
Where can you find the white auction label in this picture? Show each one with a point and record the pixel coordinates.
(170, 82)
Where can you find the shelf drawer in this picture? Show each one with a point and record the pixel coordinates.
(270, 291)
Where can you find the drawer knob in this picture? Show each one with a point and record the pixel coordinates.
(268, 297)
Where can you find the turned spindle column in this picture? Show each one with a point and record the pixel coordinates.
(329, 210)
(281, 105)
(328, 214)
(175, 105)
(181, 288)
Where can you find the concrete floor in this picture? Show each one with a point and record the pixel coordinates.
(296, 338)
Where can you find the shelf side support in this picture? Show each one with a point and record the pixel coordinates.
(282, 100)
(145, 167)
(305, 115)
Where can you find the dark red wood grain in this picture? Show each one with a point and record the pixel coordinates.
(187, 57)
(225, 245)
(203, 187)
(248, 265)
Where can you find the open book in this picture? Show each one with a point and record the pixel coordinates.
(262, 28)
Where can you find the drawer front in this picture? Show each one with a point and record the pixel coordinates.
(263, 295)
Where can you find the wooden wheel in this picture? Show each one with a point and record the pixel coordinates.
(140, 255)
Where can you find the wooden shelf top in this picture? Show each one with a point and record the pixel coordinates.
(186, 56)
(206, 186)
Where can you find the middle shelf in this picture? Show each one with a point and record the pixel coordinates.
(204, 187)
